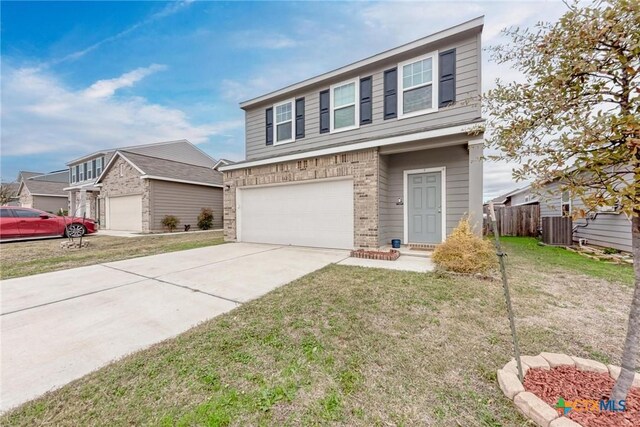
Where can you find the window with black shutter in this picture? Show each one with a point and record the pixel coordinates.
(299, 118)
(324, 111)
(365, 100)
(390, 94)
(447, 77)
(269, 126)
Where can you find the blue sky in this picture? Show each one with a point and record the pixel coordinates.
(82, 76)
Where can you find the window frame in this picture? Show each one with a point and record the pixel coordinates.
(293, 122)
(73, 174)
(356, 103)
(90, 170)
(567, 203)
(434, 85)
(81, 176)
(99, 166)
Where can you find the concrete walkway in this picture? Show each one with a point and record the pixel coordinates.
(57, 327)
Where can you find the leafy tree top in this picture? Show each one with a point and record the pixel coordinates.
(576, 116)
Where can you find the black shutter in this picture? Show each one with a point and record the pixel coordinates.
(77, 173)
(365, 101)
(447, 78)
(93, 168)
(84, 167)
(324, 111)
(269, 125)
(299, 118)
(391, 94)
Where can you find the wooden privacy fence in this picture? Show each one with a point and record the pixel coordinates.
(518, 220)
(557, 230)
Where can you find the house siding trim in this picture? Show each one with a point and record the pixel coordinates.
(400, 139)
(443, 198)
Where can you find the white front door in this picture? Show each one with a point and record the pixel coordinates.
(124, 213)
(317, 213)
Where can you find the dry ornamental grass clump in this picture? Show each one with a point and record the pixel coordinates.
(465, 252)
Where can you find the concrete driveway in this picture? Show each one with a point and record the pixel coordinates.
(57, 327)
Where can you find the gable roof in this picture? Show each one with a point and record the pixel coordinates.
(167, 170)
(469, 27)
(44, 188)
(179, 150)
(26, 175)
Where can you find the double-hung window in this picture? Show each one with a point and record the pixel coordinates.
(284, 123)
(73, 174)
(89, 169)
(81, 174)
(344, 106)
(98, 166)
(417, 89)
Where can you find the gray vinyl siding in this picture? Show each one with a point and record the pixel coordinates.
(611, 230)
(50, 204)
(184, 201)
(456, 161)
(467, 86)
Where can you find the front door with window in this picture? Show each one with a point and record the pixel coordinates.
(424, 210)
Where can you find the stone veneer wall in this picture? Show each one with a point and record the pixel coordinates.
(129, 184)
(362, 166)
(26, 199)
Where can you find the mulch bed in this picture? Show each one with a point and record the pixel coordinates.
(573, 384)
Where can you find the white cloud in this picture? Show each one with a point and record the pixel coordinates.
(105, 88)
(41, 115)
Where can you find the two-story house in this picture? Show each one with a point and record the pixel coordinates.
(134, 188)
(389, 147)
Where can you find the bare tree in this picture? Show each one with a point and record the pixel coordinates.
(576, 119)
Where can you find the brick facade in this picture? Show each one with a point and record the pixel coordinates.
(362, 166)
(128, 184)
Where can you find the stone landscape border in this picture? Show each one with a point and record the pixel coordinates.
(530, 405)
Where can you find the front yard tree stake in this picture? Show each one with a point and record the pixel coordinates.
(505, 285)
(575, 118)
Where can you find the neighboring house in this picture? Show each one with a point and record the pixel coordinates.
(133, 188)
(517, 197)
(10, 190)
(376, 150)
(44, 191)
(606, 227)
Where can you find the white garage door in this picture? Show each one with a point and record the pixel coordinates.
(318, 214)
(124, 213)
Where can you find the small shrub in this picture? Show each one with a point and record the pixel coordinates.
(171, 222)
(465, 252)
(611, 251)
(62, 212)
(205, 219)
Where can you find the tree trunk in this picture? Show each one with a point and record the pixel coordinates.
(632, 341)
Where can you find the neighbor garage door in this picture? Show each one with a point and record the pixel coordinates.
(124, 213)
(318, 214)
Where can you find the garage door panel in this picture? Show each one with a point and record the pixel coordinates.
(316, 214)
(125, 213)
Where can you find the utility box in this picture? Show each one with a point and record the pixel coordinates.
(557, 230)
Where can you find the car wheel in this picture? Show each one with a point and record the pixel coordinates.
(75, 230)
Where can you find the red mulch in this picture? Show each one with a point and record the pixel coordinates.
(573, 384)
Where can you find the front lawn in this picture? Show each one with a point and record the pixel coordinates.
(19, 259)
(357, 346)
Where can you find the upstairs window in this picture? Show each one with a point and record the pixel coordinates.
(89, 169)
(285, 127)
(344, 106)
(416, 89)
(81, 175)
(73, 174)
(99, 162)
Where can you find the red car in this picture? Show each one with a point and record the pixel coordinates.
(20, 223)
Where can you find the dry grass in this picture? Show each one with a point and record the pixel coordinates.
(353, 346)
(19, 259)
(464, 252)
